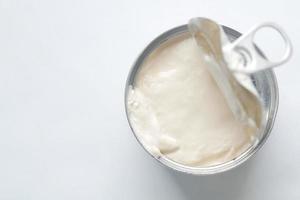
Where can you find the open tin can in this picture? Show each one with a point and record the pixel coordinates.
(264, 82)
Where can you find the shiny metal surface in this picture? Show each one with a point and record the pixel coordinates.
(264, 81)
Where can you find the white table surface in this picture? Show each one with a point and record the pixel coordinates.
(63, 130)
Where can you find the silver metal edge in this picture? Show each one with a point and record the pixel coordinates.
(271, 114)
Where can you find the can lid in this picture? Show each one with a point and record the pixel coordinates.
(231, 65)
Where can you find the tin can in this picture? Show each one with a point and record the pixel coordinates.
(264, 81)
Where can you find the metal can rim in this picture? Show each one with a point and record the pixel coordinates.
(270, 115)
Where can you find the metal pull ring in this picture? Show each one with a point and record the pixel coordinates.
(252, 59)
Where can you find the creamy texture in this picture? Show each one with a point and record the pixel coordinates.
(177, 110)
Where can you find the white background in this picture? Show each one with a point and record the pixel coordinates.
(63, 130)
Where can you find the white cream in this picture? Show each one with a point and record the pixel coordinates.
(177, 110)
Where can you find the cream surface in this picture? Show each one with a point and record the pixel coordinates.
(177, 110)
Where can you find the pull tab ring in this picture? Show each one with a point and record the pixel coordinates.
(252, 59)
